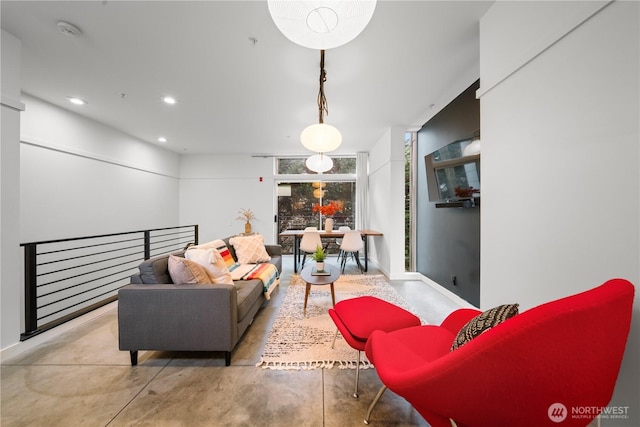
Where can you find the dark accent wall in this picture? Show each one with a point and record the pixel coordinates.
(448, 239)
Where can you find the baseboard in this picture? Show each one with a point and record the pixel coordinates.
(22, 346)
(447, 293)
(414, 275)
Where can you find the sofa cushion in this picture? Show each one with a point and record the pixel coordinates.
(249, 291)
(212, 262)
(250, 249)
(155, 270)
(483, 322)
(183, 271)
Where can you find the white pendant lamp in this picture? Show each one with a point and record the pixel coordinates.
(319, 163)
(321, 137)
(318, 193)
(321, 24)
(472, 148)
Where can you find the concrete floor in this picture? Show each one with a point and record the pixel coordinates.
(80, 378)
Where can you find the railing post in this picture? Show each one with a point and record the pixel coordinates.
(147, 244)
(30, 291)
(195, 230)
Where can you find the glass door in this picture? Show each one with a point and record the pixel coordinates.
(308, 204)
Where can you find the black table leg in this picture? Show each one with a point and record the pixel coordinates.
(366, 252)
(296, 253)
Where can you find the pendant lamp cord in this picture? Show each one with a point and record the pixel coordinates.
(323, 107)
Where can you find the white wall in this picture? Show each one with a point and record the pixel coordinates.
(10, 294)
(77, 177)
(80, 177)
(386, 202)
(213, 188)
(560, 158)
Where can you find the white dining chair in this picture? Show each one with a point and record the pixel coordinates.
(342, 228)
(309, 243)
(352, 244)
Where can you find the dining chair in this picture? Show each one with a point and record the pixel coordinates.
(351, 244)
(309, 243)
(342, 228)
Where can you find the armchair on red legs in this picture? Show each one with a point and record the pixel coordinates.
(357, 318)
(534, 369)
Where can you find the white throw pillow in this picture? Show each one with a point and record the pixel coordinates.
(208, 245)
(212, 262)
(250, 249)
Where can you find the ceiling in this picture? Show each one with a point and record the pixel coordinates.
(241, 86)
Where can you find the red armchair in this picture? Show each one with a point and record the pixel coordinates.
(557, 360)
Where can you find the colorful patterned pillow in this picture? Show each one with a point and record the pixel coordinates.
(250, 249)
(183, 271)
(221, 247)
(483, 322)
(212, 262)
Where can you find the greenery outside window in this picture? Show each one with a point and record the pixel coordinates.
(297, 166)
(409, 200)
(301, 191)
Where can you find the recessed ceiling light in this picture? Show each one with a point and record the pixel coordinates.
(76, 101)
(162, 139)
(169, 99)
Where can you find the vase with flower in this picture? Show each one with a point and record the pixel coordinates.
(247, 216)
(327, 211)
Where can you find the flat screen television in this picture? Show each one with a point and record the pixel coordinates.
(453, 173)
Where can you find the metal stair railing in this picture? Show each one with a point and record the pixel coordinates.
(67, 278)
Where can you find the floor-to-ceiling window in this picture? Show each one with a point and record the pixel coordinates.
(307, 198)
(409, 200)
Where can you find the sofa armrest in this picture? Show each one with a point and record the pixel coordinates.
(273, 250)
(177, 317)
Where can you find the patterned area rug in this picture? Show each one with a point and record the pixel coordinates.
(303, 340)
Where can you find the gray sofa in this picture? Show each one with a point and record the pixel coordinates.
(156, 314)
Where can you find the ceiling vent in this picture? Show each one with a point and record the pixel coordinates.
(68, 29)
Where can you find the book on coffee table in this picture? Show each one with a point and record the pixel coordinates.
(316, 272)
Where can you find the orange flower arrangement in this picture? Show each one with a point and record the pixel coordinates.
(465, 192)
(327, 210)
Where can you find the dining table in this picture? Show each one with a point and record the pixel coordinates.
(324, 234)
